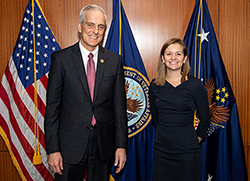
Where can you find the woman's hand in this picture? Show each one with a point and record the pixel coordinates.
(199, 139)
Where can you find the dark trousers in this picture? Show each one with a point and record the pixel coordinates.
(97, 170)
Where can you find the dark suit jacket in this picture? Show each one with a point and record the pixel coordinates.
(69, 108)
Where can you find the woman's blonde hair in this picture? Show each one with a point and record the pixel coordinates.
(162, 71)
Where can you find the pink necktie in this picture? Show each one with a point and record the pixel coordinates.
(91, 79)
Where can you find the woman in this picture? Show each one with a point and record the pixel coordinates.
(174, 97)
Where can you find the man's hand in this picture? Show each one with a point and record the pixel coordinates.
(55, 162)
(120, 159)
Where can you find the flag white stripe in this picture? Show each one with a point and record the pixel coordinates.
(15, 140)
(41, 91)
(28, 134)
(24, 96)
(30, 108)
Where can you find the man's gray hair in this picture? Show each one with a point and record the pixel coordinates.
(92, 8)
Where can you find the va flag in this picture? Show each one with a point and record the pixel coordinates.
(140, 128)
(22, 95)
(222, 152)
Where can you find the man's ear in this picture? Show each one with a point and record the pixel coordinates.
(79, 27)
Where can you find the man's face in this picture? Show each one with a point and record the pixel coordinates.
(92, 29)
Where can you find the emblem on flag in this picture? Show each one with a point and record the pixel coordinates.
(218, 114)
(138, 113)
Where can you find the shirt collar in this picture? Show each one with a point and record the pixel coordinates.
(85, 52)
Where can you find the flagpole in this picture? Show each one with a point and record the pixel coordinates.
(120, 28)
(201, 10)
(37, 156)
(195, 54)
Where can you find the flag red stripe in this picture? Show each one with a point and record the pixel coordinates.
(44, 80)
(22, 108)
(41, 106)
(28, 118)
(25, 144)
(7, 132)
(28, 149)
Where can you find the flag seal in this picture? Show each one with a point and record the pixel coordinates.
(138, 112)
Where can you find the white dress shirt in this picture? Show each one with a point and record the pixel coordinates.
(85, 54)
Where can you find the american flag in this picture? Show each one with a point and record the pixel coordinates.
(22, 93)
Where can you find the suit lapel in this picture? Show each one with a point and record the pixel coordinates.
(77, 58)
(99, 72)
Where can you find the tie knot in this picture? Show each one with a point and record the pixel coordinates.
(90, 55)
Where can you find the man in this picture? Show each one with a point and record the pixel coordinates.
(85, 120)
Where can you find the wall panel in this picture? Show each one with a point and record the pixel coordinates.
(234, 44)
(234, 32)
(7, 170)
(11, 14)
(152, 23)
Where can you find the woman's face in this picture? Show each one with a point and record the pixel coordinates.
(174, 57)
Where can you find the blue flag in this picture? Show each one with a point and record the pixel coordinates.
(140, 128)
(222, 151)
